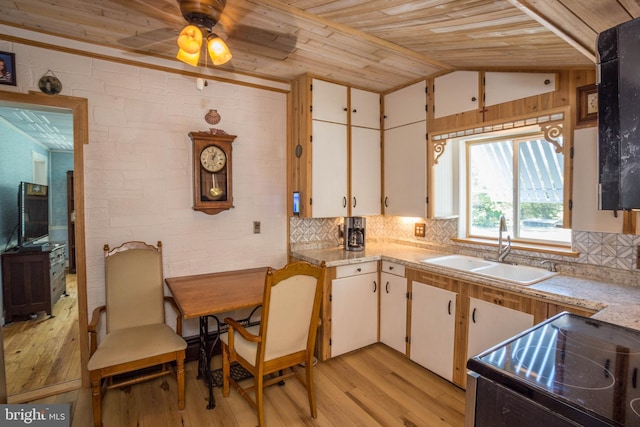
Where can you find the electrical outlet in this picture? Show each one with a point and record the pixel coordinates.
(418, 229)
(256, 227)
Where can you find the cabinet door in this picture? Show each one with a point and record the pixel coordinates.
(405, 106)
(490, 324)
(502, 87)
(585, 214)
(393, 311)
(329, 102)
(354, 312)
(329, 172)
(455, 93)
(433, 323)
(365, 109)
(366, 180)
(405, 175)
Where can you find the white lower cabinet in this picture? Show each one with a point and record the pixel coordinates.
(490, 324)
(393, 306)
(354, 307)
(433, 324)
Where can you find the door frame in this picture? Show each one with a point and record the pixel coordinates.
(79, 109)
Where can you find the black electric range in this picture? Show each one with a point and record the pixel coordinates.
(568, 370)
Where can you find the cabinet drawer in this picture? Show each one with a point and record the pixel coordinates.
(356, 269)
(393, 268)
(57, 255)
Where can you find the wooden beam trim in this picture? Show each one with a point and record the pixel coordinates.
(525, 7)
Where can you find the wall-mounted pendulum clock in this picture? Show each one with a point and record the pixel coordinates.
(212, 186)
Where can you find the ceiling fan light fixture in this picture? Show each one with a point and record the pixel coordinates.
(218, 50)
(189, 58)
(190, 39)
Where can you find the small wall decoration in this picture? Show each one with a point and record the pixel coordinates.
(587, 106)
(7, 68)
(50, 84)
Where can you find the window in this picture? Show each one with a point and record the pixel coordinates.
(520, 176)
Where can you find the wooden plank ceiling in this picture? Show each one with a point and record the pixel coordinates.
(373, 44)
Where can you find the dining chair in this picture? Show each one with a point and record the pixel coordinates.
(136, 335)
(285, 337)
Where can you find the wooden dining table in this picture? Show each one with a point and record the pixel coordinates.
(204, 296)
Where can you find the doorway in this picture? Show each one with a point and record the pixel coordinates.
(77, 107)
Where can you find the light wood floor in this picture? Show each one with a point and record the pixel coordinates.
(43, 352)
(374, 386)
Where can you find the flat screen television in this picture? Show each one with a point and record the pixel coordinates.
(33, 214)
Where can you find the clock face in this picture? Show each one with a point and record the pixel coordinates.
(212, 158)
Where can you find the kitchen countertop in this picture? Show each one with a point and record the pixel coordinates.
(618, 304)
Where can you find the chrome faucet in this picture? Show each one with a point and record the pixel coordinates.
(503, 251)
(551, 266)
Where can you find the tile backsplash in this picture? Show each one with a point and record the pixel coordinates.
(617, 253)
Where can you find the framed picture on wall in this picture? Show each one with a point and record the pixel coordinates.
(587, 106)
(7, 68)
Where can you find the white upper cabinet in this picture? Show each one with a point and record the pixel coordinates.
(585, 214)
(462, 91)
(365, 109)
(455, 93)
(405, 106)
(405, 170)
(508, 86)
(366, 179)
(329, 102)
(329, 172)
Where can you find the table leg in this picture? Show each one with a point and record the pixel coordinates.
(206, 349)
(206, 352)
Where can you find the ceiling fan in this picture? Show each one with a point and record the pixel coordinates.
(201, 16)
(235, 26)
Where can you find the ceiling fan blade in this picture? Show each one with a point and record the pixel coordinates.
(149, 38)
(262, 39)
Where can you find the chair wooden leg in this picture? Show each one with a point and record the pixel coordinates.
(226, 370)
(96, 392)
(180, 379)
(259, 384)
(310, 390)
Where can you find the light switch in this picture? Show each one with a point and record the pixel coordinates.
(256, 227)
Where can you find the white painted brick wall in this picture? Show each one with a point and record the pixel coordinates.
(137, 165)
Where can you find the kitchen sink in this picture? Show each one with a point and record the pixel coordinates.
(458, 262)
(519, 274)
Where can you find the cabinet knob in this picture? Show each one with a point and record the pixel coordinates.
(345, 109)
(355, 111)
(547, 82)
(474, 99)
(358, 269)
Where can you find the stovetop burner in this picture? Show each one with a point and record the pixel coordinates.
(585, 363)
(546, 374)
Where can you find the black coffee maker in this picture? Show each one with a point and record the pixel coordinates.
(354, 228)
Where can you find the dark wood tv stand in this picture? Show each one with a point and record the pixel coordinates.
(32, 281)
